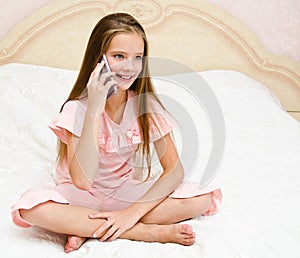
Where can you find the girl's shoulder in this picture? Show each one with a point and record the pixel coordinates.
(161, 121)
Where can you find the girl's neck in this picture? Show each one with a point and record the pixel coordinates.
(115, 105)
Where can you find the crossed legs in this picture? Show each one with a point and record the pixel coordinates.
(159, 225)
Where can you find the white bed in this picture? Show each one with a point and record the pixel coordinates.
(259, 171)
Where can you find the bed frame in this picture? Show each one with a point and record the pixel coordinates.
(196, 33)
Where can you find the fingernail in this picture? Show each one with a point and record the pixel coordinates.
(94, 235)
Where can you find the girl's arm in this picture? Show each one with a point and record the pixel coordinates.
(83, 156)
(120, 221)
(169, 180)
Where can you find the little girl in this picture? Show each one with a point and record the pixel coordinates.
(102, 190)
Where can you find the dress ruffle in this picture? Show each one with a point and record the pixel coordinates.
(112, 136)
(114, 142)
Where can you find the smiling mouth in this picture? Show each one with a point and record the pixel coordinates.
(124, 77)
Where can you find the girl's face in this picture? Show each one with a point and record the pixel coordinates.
(124, 56)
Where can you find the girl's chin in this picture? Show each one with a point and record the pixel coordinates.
(124, 85)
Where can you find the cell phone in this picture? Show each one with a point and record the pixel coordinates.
(113, 89)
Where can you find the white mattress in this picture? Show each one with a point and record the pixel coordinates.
(259, 172)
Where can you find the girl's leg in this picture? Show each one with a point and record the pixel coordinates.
(73, 243)
(168, 212)
(74, 220)
(174, 210)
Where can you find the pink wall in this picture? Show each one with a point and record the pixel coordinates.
(275, 22)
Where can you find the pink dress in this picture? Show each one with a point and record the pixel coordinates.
(116, 185)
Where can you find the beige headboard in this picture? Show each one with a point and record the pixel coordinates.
(195, 32)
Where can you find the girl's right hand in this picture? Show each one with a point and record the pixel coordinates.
(98, 86)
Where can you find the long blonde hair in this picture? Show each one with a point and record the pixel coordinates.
(99, 41)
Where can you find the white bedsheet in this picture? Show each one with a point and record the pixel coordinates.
(259, 173)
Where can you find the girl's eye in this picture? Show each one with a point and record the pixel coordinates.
(119, 56)
(138, 57)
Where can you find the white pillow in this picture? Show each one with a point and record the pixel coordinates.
(30, 97)
(246, 106)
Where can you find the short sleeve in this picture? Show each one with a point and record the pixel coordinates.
(161, 121)
(71, 118)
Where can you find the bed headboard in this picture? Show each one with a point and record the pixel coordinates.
(196, 33)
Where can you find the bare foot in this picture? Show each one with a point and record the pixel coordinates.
(175, 233)
(73, 243)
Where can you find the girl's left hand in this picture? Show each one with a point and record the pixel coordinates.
(117, 223)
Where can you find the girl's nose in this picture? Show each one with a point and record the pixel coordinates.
(128, 65)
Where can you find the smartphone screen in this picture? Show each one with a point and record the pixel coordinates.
(113, 89)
